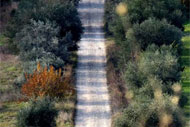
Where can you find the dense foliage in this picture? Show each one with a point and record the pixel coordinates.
(139, 10)
(157, 62)
(45, 31)
(39, 113)
(172, 10)
(153, 90)
(39, 42)
(64, 13)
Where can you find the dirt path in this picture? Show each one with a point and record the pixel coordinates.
(93, 107)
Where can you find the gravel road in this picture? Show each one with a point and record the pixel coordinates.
(93, 106)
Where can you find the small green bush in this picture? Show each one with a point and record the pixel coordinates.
(154, 31)
(39, 113)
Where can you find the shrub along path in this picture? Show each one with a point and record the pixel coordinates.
(93, 106)
(185, 61)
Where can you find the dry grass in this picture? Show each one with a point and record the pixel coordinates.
(8, 112)
(115, 84)
(10, 69)
(66, 112)
(67, 106)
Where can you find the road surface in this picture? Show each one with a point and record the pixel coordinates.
(93, 105)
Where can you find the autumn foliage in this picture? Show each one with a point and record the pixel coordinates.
(48, 82)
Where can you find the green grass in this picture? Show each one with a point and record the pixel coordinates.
(186, 41)
(187, 27)
(185, 62)
(186, 89)
(66, 112)
(8, 112)
(9, 71)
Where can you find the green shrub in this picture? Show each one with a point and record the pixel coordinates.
(154, 31)
(39, 113)
(157, 62)
(38, 42)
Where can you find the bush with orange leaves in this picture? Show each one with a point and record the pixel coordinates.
(47, 82)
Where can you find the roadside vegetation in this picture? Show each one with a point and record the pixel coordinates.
(37, 82)
(145, 50)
